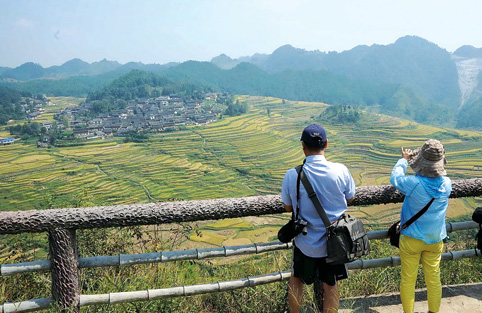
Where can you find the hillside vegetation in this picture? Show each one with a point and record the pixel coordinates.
(10, 107)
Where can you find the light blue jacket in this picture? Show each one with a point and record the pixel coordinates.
(418, 191)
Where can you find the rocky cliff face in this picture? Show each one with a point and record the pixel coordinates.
(468, 71)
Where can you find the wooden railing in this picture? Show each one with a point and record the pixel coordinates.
(61, 225)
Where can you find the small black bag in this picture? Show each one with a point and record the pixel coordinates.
(394, 234)
(477, 217)
(395, 229)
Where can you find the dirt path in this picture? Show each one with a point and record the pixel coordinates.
(455, 299)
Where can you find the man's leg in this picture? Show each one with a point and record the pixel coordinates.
(331, 300)
(431, 270)
(295, 294)
(329, 274)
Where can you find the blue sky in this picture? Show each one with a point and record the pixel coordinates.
(51, 32)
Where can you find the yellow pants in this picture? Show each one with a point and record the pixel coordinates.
(411, 251)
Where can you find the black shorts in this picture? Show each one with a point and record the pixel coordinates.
(307, 269)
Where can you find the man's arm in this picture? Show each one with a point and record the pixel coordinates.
(285, 194)
(288, 208)
(350, 187)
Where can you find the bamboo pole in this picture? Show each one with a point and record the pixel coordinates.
(27, 306)
(142, 258)
(25, 267)
(154, 294)
(86, 300)
(199, 253)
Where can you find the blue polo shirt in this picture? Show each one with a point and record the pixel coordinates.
(418, 191)
(333, 185)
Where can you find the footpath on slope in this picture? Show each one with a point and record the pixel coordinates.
(455, 299)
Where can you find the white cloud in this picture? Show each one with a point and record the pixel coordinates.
(24, 23)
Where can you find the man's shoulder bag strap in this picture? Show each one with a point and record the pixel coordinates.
(298, 169)
(314, 198)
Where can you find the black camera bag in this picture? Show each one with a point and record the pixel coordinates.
(477, 217)
(295, 226)
(346, 238)
(292, 229)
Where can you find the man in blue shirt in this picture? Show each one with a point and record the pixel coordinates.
(334, 187)
(422, 240)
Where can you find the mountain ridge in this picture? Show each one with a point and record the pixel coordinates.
(408, 74)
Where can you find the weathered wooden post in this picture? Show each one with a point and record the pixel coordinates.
(65, 278)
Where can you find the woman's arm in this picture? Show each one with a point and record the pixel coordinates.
(398, 178)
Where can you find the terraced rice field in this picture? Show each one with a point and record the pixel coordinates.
(233, 157)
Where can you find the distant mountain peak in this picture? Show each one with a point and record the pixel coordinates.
(411, 41)
(224, 62)
(469, 52)
(75, 65)
(286, 49)
(75, 60)
(30, 64)
(221, 58)
(105, 61)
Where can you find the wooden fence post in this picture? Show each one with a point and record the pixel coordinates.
(65, 278)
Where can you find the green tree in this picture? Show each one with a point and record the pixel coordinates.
(237, 108)
(66, 121)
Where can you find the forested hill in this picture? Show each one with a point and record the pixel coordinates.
(10, 107)
(140, 84)
(411, 61)
(76, 67)
(246, 78)
(137, 85)
(319, 85)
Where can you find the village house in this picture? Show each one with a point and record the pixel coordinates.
(82, 132)
(6, 141)
(47, 125)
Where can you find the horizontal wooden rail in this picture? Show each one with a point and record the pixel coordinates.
(154, 294)
(194, 254)
(188, 211)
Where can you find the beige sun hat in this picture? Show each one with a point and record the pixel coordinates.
(429, 160)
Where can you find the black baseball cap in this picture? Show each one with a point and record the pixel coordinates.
(313, 134)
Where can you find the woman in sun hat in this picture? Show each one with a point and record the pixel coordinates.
(422, 239)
